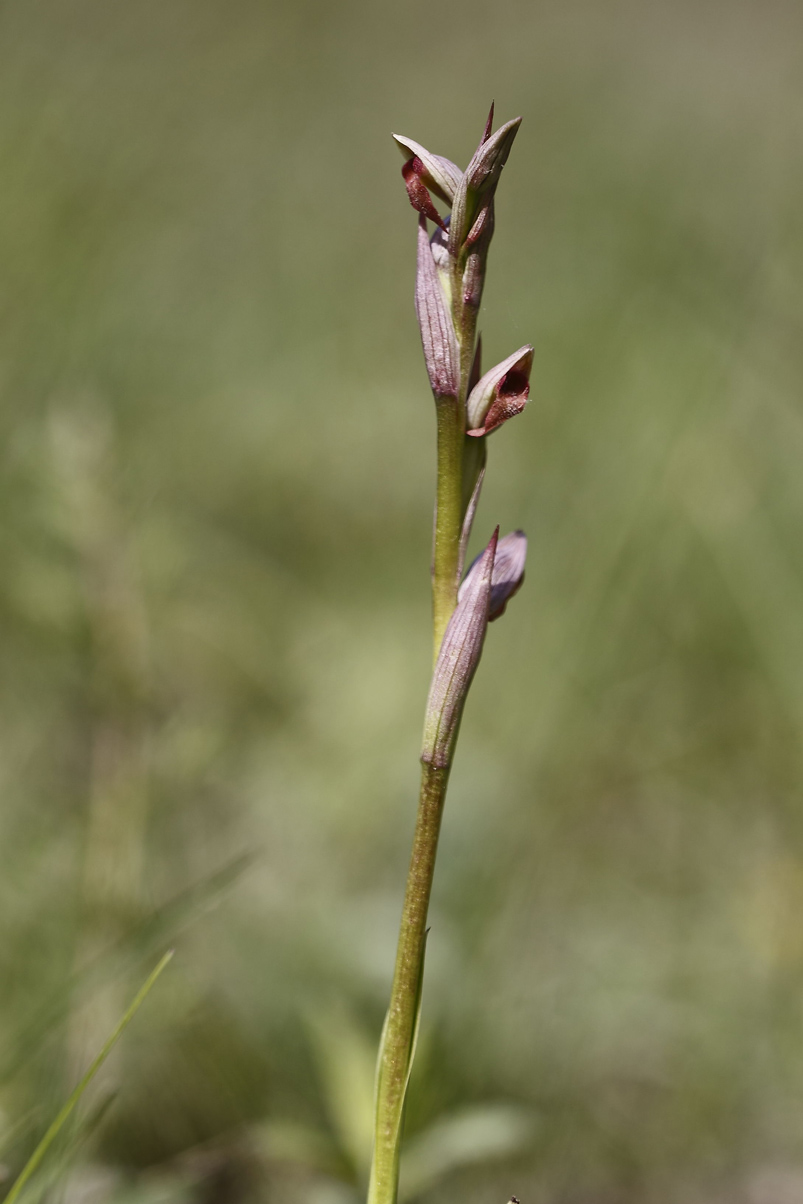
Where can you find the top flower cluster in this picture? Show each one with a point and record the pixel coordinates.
(451, 276)
(470, 193)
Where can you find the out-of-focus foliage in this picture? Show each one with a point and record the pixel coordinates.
(215, 498)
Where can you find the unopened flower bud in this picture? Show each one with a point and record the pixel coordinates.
(440, 175)
(490, 157)
(478, 183)
(441, 355)
(501, 393)
(457, 661)
(507, 576)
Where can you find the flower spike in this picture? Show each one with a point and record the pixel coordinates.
(449, 285)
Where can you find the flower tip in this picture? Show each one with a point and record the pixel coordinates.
(405, 145)
(489, 124)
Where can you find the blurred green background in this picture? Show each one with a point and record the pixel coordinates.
(215, 502)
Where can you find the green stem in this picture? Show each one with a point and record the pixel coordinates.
(448, 515)
(398, 1039)
(451, 496)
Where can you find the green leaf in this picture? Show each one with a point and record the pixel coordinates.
(417, 1016)
(462, 1139)
(410, 1059)
(345, 1057)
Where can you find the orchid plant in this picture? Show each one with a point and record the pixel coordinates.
(469, 406)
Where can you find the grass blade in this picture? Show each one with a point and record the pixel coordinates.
(44, 1145)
